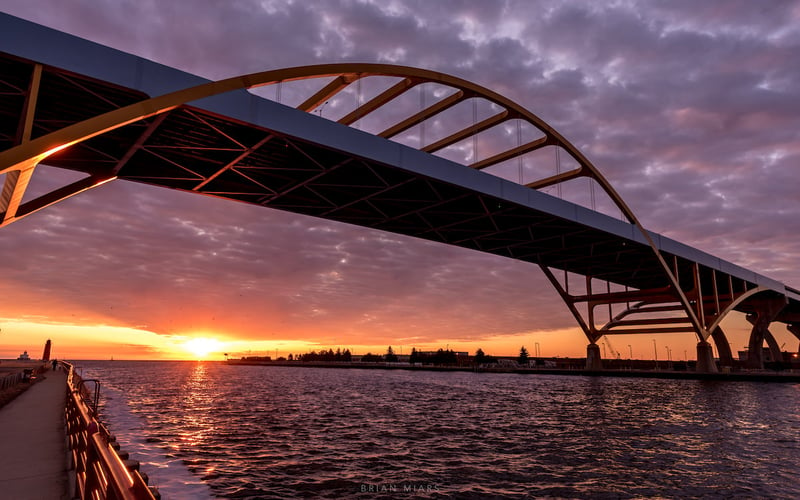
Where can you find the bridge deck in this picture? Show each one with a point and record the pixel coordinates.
(249, 149)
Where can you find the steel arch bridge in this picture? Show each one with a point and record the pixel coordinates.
(110, 115)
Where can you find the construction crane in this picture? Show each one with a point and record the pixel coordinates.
(615, 353)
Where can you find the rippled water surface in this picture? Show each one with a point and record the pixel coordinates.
(213, 430)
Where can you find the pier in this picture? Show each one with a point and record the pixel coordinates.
(52, 445)
(33, 453)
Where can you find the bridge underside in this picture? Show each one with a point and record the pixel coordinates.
(621, 286)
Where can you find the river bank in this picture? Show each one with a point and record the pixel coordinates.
(752, 376)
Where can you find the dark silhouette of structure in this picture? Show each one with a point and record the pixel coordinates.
(111, 115)
(46, 353)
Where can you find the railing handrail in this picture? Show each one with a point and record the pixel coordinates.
(12, 378)
(99, 470)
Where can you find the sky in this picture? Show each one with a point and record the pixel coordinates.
(691, 110)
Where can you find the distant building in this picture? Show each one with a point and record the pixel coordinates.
(508, 363)
(24, 356)
(766, 355)
(433, 353)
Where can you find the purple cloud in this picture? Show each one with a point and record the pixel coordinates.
(692, 111)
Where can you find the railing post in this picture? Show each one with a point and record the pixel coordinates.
(99, 471)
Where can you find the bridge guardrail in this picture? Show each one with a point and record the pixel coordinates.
(99, 470)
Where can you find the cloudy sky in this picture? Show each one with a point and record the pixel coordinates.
(690, 109)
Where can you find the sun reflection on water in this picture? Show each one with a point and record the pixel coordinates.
(275, 432)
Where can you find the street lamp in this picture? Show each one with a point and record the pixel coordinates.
(630, 349)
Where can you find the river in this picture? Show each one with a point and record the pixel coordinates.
(209, 430)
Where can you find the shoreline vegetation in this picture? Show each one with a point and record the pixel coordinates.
(523, 365)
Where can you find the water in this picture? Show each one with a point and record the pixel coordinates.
(209, 430)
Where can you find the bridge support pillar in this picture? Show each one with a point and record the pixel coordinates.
(593, 359)
(723, 347)
(765, 314)
(794, 329)
(705, 358)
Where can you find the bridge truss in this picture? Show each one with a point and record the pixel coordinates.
(479, 182)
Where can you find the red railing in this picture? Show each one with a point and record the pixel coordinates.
(99, 470)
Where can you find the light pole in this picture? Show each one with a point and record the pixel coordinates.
(538, 351)
(630, 349)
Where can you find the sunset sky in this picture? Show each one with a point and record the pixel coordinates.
(690, 109)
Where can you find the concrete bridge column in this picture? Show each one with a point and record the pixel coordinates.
(774, 348)
(767, 312)
(794, 328)
(755, 357)
(593, 359)
(723, 347)
(705, 358)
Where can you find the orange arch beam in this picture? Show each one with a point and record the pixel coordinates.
(29, 154)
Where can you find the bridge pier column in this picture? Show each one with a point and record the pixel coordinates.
(723, 347)
(755, 356)
(593, 359)
(765, 314)
(705, 358)
(794, 329)
(774, 348)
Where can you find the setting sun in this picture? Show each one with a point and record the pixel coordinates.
(202, 347)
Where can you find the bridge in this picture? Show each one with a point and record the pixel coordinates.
(418, 153)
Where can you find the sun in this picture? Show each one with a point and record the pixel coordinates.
(201, 346)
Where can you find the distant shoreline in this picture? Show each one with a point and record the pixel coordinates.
(792, 377)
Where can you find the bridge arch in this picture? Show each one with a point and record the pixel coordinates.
(19, 162)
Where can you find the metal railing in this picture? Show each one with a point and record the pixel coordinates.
(99, 470)
(10, 380)
(23, 375)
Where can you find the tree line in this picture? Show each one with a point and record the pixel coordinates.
(441, 357)
(323, 355)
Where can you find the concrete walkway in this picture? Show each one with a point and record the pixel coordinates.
(32, 442)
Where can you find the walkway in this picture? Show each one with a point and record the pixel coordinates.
(32, 442)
